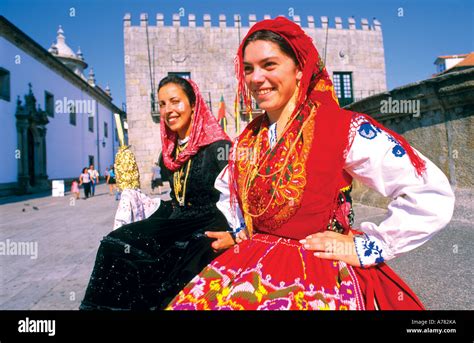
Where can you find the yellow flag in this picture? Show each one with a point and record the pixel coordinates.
(118, 123)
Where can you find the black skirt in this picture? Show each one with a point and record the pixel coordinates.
(143, 265)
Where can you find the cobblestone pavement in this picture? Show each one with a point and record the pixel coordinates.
(67, 233)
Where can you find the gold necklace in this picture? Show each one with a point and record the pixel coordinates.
(254, 171)
(178, 176)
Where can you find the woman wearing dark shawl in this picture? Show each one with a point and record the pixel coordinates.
(142, 265)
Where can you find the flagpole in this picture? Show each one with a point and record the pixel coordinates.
(237, 114)
(237, 101)
(237, 119)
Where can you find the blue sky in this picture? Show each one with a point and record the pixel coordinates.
(426, 30)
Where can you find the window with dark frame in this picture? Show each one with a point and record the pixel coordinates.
(106, 130)
(49, 103)
(72, 115)
(4, 84)
(91, 122)
(343, 87)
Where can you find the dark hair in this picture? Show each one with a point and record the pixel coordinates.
(185, 86)
(85, 168)
(273, 37)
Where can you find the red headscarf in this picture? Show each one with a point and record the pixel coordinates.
(303, 47)
(333, 134)
(205, 130)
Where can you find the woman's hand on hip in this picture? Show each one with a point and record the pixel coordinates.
(330, 245)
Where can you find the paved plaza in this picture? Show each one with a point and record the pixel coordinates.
(67, 233)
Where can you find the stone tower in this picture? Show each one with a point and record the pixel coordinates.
(354, 57)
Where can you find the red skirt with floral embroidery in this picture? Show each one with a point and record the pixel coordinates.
(275, 273)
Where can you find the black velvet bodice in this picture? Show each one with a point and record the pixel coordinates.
(201, 196)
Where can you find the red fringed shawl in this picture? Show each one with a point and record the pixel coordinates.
(205, 130)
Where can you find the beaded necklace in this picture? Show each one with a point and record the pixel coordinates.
(179, 185)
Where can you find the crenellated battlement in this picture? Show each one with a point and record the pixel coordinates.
(324, 22)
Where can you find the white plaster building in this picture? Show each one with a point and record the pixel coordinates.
(55, 121)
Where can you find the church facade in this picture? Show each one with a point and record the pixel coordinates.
(55, 120)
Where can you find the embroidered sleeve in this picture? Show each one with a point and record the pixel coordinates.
(124, 213)
(421, 206)
(369, 250)
(150, 205)
(134, 206)
(234, 218)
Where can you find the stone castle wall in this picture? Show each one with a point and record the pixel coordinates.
(442, 130)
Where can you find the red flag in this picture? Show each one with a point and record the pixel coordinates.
(221, 113)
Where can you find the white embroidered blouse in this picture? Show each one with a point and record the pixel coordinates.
(134, 206)
(421, 206)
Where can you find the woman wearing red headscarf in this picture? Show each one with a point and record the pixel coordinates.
(144, 264)
(289, 180)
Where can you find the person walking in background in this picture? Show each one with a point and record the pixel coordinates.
(75, 188)
(118, 193)
(111, 180)
(106, 174)
(94, 174)
(85, 179)
(113, 183)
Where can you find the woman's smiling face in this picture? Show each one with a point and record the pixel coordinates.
(270, 74)
(175, 109)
